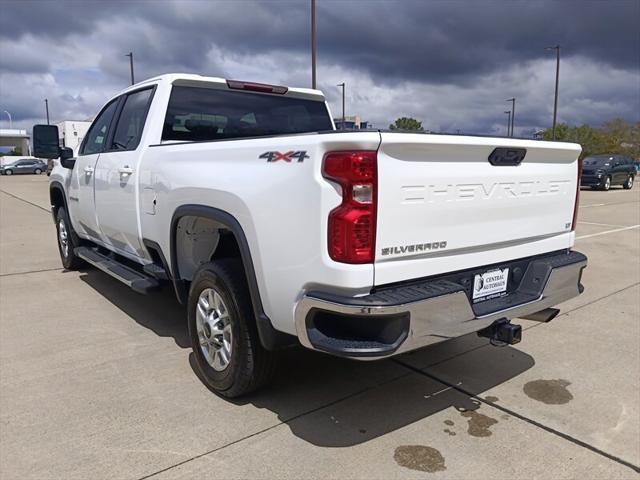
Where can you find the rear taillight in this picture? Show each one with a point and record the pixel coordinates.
(575, 206)
(352, 225)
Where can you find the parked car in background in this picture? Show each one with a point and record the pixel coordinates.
(24, 165)
(603, 171)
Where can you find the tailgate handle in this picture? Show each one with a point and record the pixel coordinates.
(507, 157)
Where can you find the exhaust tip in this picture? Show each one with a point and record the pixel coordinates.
(543, 316)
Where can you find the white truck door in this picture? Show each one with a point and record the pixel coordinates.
(81, 189)
(116, 190)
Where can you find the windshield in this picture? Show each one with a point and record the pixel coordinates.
(597, 161)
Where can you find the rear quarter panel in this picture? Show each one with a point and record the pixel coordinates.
(281, 206)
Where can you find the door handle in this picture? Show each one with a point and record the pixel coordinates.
(126, 170)
(88, 170)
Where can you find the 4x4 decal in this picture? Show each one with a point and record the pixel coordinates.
(300, 155)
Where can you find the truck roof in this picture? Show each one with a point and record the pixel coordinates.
(201, 80)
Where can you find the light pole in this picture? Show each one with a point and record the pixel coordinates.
(343, 117)
(130, 55)
(513, 112)
(555, 100)
(314, 44)
(46, 106)
(10, 122)
(508, 122)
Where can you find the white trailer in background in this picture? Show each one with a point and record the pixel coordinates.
(72, 132)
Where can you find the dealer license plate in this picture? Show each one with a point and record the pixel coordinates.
(490, 285)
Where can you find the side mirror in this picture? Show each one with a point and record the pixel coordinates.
(45, 141)
(66, 158)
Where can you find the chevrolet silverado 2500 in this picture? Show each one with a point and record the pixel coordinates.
(273, 228)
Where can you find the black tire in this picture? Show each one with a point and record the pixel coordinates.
(69, 259)
(37, 171)
(8, 172)
(607, 184)
(250, 365)
(628, 185)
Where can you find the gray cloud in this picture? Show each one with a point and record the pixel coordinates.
(451, 64)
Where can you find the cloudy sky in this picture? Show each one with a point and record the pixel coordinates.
(450, 64)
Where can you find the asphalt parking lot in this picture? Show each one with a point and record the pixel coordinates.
(96, 380)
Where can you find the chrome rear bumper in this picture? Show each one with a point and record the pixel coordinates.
(432, 311)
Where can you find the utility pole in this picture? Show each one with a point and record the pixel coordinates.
(343, 117)
(10, 122)
(508, 122)
(130, 55)
(46, 106)
(555, 100)
(513, 112)
(314, 44)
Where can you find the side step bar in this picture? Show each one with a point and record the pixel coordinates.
(137, 281)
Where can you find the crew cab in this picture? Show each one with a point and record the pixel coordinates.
(274, 229)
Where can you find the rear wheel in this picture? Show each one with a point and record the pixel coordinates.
(628, 185)
(222, 328)
(67, 241)
(607, 184)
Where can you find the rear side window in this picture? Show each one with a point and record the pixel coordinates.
(197, 114)
(96, 138)
(131, 121)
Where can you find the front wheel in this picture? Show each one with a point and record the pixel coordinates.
(8, 172)
(37, 171)
(67, 241)
(628, 185)
(229, 357)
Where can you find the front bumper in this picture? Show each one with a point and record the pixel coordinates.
(592, 180)
(401, 318)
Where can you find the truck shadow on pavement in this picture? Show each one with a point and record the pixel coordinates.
(159, 311)
(334, 402)
(365, 400)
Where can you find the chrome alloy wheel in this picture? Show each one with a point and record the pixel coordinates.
(214, 329)
(63, 237)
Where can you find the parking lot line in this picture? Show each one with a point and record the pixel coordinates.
(603, 204)
(606, 232)
(25, 201)
(602, 224)
(520, 416)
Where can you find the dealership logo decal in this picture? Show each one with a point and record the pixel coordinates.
(273, 157)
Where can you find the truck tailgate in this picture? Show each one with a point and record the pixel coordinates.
(442, 206)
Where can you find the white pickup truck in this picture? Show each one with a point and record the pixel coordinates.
(273, 228)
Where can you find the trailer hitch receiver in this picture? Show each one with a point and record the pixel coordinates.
(502, 332)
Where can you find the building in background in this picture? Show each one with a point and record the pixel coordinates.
(351, 123)
(15, 139)
(71, 133)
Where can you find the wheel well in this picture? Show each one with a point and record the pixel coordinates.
(220, 236)
(57, 199)
(199, 240)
